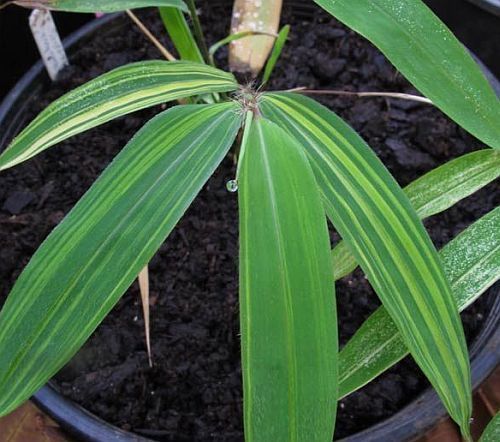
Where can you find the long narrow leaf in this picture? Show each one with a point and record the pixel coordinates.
(288, 319)
(98, 5)
(430, 56)
(435, 192)
(275, 54)
(90, 259)
(178, 29)
(472, 264)
(119, 92)
(373, 215)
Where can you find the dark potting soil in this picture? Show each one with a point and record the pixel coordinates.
(193, 391)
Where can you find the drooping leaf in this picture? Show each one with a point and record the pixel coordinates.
(287, 307)
(275, 54)
(472, 264)
(375, 218)
(97, 251)
(435, 192)
(178, 29)
(492, 431)
(98, 5)
(116, 93)
(249, 55)
(428, 54)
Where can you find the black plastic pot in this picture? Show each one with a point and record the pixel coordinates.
(411, 422)
(492, 6)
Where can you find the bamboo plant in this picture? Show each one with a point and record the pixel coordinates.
(299, 164)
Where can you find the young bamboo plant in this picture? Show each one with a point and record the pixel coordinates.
(299, 165)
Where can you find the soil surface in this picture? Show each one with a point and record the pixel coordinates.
(193, 391)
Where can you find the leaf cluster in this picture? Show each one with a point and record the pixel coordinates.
(299, 165)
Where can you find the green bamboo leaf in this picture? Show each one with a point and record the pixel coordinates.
(178, 29)
(435, 192)
(373, 215)
(430, 56)
(89, 260)
(492, 431)
(444, 186)
(472, 264)
(275, 54)
(116, 93)
(98, 5)
(287, 307)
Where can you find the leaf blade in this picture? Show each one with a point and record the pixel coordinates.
(377, 344)
(95, 254)
(275, 54)
(98, 5)
(429, 56)
(373, 215)
(116, 93)
(287, 379)
(435, 192)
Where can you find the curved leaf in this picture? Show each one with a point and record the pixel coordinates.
(92, 257)
(287, 307)
(116, 93)
(430, 56)
(472, 264)
(373, 215)
(98, 5)
(435, 192)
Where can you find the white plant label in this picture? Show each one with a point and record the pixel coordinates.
(48, 41)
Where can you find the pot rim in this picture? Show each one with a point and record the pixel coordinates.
(492, 6)
(406, 424)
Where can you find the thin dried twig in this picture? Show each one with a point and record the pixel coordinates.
(303, 90)
(149, 35)
(144, 289)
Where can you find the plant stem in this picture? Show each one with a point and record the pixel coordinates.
(198, 31)
(303, 90)
(149, 35)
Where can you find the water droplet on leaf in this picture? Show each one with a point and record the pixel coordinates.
(232, 186)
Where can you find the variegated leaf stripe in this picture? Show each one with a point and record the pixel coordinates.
(97, 251)
(427, 53)
(98, 5)
(472, 264)
(375, 218)
(287, 305)
(116, 93)
(435, 192)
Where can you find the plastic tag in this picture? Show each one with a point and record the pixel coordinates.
(48, 41)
